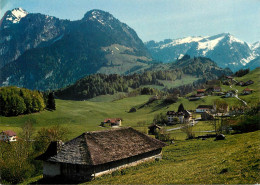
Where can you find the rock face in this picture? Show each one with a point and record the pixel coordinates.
(21, 31)
(224, 49)
(43, 52)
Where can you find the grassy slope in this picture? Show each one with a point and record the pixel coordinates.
(198, 162)
(254, 97)
(81, 116)
(186, 79)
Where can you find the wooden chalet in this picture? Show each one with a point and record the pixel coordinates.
(96, 153)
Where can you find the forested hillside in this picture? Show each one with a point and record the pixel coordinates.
(90, 86)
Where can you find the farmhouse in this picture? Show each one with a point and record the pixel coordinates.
(8, 135)
(201, 91)
(247, 91)
(204, 108)
(96, 153)
(112, 122)
(230, 93)
(182, 117)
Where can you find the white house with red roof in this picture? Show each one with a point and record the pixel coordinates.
(204, 108)
(8, 135)
(247, 91)
(113, 122)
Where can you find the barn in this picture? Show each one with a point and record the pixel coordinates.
(96, 153)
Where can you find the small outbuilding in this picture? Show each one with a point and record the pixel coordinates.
(113, 122)
(8, 136)
(96, 153)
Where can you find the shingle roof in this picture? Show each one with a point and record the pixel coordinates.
(205, 107)
(99, 147)
(9, 133)
(112, 120)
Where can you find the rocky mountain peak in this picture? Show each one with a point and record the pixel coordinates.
(98, 15)
(14, 16)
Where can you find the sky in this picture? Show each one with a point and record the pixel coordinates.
(160, 19)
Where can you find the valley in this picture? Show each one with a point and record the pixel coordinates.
(84, 100)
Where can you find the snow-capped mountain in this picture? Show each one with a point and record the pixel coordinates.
(12, 17)
(43, 52)
(21, 31)
(224, 49)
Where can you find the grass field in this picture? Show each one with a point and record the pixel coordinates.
(235, 160)
(186, 79)
(232, 161)
(82, 116)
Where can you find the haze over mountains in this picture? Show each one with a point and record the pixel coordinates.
(43, 52)
(224, 49)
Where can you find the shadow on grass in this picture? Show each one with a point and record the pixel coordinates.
(160, 106)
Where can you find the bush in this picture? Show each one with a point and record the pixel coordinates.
(162, 135)
(248, 124)
(171, 98)
(160, 119)
(133, 109)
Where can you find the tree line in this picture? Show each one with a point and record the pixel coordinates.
(16, 101)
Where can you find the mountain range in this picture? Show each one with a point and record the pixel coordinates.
(43, 52)
(224, 49)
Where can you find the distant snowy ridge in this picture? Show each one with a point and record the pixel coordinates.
(224, 48)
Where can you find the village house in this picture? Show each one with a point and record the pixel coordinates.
(229, 78)
(230, 93)
(96, 153)
(216, 89)
(201, 92)
(247, 91)
(153, 128)
(204, 108)
(182, 117)
(113, 122)
(8, 136)
(241, 83)
(194, 97)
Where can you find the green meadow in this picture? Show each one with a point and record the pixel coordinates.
(232, 161)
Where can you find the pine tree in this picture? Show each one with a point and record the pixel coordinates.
(181, 108)
(51, 102)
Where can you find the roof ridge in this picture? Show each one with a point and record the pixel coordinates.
(107, 130)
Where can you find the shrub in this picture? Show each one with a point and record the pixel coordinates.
(171, 98)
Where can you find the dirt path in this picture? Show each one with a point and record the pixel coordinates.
(236, 95)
